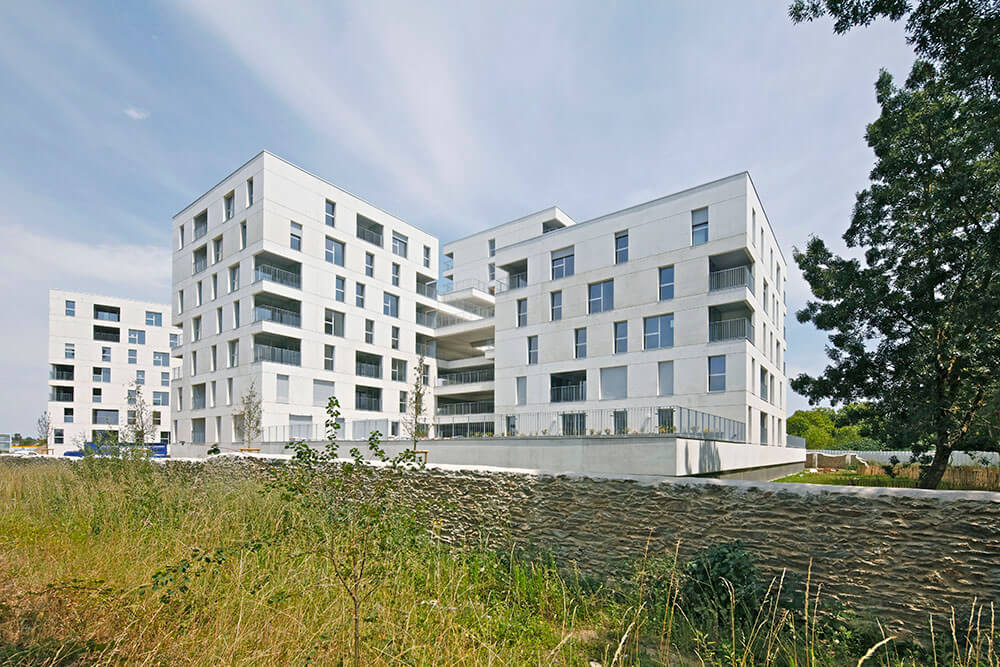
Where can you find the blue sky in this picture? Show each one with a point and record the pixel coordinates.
(453, 116)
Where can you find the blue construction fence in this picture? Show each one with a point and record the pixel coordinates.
(157, 450)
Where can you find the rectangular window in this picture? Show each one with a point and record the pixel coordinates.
(666, 283)
(390, 305)
(195, 329)
(369, 331)
(339, 287)
(140, 377)
(229, 391)
(227, 206)
(601, 296)
(620, 421)
(614, 382)
(521, 390)
(322, 391)
(491, 271)
(763, 383)
(68, 415)
(295, 236)
(359, 295)
(164, 378)
(492, 244)
(522, 312)
(234, 278)
(555, 300)
(399, 370)
(395, 338)
(621, 247)
(133, 356)
(402, 402)
(161, 358)
(234, 353)
(106, 354)
(532, 350)
(96, 395)
(331, 213)
(215, 286)
(699, 226)
(71, 309)
(427, 256)
(216, 250)
(175, 340)
(102, 374)
(562, 263)
(665, 377)
(213, 359)
(243, 236)
(395, 274)
(328, 356)
(161, 398)
(249, 192)
(333, 323)
(621, 337)
(58, 436)
(218, 320)
(236, 314)
(717, 373)
(154, 319)
(580, 343)
(136, 337)
(69, 351)
(658, 331)
(369, 264)
(281, 388)
(399, 244)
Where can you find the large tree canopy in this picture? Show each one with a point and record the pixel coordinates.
(915, 327)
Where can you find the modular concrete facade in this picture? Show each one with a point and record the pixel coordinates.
(100, 348)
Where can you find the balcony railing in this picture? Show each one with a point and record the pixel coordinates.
(447, 263)
(106, 316)
(427, 289)
(365, 402)
(427, 349)
(107, 336)
(279, 315)
(427, 319)
(738, 276)
(200, 265)
(367, 370)
(517, 280)
(370, 235)
(278, 355)
(59, 374)
(468, 408)
(274, 274)
(735, 329)
(568, 393)
(466, 377)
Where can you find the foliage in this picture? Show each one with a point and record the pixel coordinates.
(414, 423)
(247, 418)
(138, 428)
(913, 327)
(44, 425)
(721, 584)
(830, 428)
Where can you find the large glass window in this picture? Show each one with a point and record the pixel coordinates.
(161, 358)
(666, 282)
(658, 331)
(334, 251)
(390, 305)
(154, 319)
(400, 244)
(562, 263)
(333, 322)
(601, 296)
(136, 337)
(717, 373)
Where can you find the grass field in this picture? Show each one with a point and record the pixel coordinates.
(959, 478)
(127, 561)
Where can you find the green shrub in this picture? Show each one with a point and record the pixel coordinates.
(862, 445)
(708, 600)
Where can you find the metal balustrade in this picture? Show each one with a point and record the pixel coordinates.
(365, 402)
(60, 374)
(468, 408)
(466, 377)
(277, 275)
(279, 355)
(367, 370)
(734, 329)
(427, 289)
(568, 393)
(369, 235)
(427, 319)
(738, 276)
(514, 281)
(275, 314)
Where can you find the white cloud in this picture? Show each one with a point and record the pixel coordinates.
(136, 114)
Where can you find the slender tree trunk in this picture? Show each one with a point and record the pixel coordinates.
(931, 476)
(357, 633)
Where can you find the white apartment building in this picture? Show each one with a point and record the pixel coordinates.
(286, 281)
(666, 317)
(100, 347)
(623, 324)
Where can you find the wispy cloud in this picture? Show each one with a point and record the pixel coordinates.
(136, 114)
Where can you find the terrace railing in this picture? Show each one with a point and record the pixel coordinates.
(277, 275)
(734, 329)
(278, 355)
(738, 276)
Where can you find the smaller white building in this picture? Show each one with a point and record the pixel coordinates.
(100, 347)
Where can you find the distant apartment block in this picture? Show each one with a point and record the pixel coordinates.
(664, 317)
(100, 349)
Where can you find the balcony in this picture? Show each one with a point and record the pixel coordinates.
(427, 318)
(447, 263)
(61, 372)
(569, 393)
(107, 334)
(732, 329)
(61, 394)
(517, 280)
(734, 278)
(465, 408)
(107, 313)
(274, 314)
(367, 370)
(276, 275)
(369, 230)
(278, 355)
(466, 377)
(427, 289)
(368, 398)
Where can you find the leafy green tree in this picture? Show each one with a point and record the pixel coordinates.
(914, 327)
